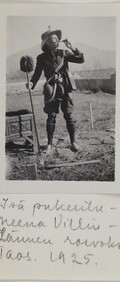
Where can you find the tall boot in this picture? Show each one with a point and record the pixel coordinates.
(50, 131)
(50, 127)
(71, 130)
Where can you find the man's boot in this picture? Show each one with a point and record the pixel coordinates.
(71, 130)
(50, 127)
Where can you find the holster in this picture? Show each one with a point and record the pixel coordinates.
(71, 81)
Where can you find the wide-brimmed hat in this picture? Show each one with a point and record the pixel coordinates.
(48, 33)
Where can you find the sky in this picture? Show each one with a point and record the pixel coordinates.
(25, 32)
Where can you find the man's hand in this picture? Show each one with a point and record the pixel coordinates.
(29, 85)
(68, 44)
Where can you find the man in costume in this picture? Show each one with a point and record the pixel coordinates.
(58, 86)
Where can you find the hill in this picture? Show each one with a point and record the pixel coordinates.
(94, 59)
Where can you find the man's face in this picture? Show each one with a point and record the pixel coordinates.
(52, 41)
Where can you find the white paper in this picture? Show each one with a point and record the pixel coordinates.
(80, 10)
(65, 238)
(92, 251)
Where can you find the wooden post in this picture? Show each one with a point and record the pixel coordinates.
(35, 143)
(35, 126)
(91, 116)
(52, 166)
(32, 171)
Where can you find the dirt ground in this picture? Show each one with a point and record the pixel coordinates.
(95, 144)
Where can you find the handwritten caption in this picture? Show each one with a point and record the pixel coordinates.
(62, 234)
(71, 231)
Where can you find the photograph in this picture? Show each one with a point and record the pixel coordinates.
(59, 142)
(60, 98)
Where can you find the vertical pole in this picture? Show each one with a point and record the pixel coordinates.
(33, 116)
(97, 98)
(91, 116)
(96, 80)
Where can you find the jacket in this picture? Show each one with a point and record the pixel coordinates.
(48, 62)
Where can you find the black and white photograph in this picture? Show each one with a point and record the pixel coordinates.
(59, 142)
(60, 98)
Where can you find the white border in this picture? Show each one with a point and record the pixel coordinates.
(50, 10)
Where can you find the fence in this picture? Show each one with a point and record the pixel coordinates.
(106, 85)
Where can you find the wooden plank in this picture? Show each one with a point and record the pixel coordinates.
(51, 166)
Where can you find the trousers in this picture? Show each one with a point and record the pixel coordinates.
(52, 109)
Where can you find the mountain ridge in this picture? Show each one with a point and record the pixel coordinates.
(94, 59)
